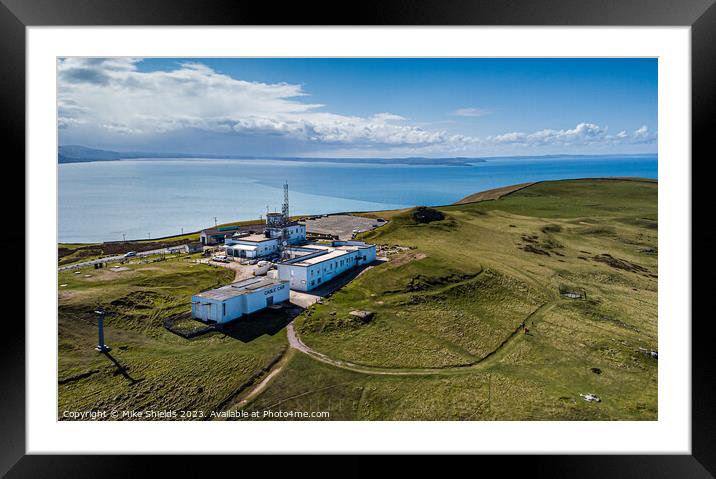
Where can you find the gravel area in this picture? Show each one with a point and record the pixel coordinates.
(342, 226)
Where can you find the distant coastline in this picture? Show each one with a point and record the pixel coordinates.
(82, 154)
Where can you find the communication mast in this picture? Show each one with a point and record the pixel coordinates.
(283, 247)
(284, 209)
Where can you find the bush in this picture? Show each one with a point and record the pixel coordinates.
(551, 228)
(423, 214)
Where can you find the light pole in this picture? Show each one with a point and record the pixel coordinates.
(101, 347)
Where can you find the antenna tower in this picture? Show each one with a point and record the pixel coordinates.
(284, 230)
(284, 209)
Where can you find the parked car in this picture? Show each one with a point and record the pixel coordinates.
(221, 258)
(130, 254)
(262, 268)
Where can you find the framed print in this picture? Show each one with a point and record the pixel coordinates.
(425, 230)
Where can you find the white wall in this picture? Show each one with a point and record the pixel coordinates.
(295, 275)
(257, 300)
(296, 233)
(205, 309)
(235, 308)
(238, 305)
(263, 248)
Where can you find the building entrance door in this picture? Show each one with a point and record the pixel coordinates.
(269, 300)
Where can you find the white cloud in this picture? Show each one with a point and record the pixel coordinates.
(114, 98)
(471, 112)
(582, 134)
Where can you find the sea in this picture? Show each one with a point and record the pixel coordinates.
(152, 198)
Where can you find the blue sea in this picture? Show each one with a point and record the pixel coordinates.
(102, 201)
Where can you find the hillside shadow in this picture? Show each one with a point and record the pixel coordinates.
(121, 369)
(267, 321)
(334, 284)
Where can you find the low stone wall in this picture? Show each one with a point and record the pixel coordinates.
(170, 325)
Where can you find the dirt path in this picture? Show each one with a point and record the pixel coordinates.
(261, 385)
(517, 335)
(241, 271)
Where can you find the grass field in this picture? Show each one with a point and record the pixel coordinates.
(483, 271)
(448, 338)
(149, 367)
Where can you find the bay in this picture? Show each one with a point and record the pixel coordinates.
(142, 198)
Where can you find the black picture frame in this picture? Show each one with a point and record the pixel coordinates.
(16, 15)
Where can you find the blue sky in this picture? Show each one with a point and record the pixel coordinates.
(360, 107)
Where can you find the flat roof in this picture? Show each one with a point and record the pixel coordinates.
(239, 288)
(337, 253)
(325, 253)
(254, 238)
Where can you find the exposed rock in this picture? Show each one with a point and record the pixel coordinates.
(364, 316)
(551, 228)
(618, 263)
(533, 249)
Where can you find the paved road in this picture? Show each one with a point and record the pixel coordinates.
(110, 259)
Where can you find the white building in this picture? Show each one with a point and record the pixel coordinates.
(313, 265)
(230, 302)
(260, 245)
(251, 246)
(295, 232)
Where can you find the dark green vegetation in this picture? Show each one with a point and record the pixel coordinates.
(149, 367)
(505, 309)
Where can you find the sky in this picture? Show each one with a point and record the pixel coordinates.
(353, 107)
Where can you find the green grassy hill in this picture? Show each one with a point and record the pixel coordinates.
(573, 262)
(458, 300)
(149, 367)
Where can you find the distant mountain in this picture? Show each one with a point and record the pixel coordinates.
(76, 153)
(80, 154)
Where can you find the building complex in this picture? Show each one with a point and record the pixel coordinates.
(300, 265)
(310, 266)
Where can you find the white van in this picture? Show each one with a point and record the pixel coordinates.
(262, 268)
